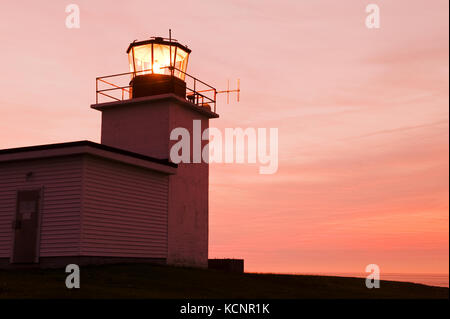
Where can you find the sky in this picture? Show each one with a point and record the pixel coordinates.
(362, 115)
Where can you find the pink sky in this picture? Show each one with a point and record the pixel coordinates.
(362, 115)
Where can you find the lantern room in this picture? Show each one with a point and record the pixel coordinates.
(157, 56)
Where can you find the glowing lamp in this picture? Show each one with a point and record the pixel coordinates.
(159, 66)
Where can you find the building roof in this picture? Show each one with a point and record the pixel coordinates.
(87, 147)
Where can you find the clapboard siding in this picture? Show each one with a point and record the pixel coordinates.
(124, 210)
(61, 203)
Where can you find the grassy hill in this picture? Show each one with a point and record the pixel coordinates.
(148, 281)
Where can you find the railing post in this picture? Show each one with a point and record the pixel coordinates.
(215, 98)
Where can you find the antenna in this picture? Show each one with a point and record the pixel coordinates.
(228, 91)
(170, 54)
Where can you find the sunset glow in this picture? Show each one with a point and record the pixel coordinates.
(362, 117)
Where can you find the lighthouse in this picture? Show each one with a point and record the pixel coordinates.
(121, 200)
(161, 101)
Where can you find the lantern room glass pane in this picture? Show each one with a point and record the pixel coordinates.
(181, 63)
(130, 60)
(142, 59)
(161, 58)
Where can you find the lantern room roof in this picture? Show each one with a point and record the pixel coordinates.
(159, 40)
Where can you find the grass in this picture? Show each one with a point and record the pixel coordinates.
(149, 281)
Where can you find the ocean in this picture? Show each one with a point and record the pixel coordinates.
(441, 280)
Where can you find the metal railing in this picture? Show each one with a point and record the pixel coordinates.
(197, 91)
